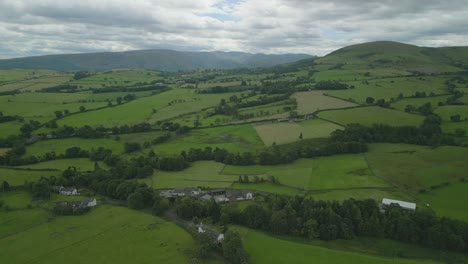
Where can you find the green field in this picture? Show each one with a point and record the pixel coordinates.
(449, 201)
(43, 105)
(417, 102)
(371, 115)
(286, 251)
(201, 173)
(340, 171)
(117, 78)
(168, 105)
(417, 167)
(60, 145)
(107, 235)
(81, 164)
(312, 101)
(445, 112)
(285, 132)
(391, 87)
(19, 177)
(240, 138)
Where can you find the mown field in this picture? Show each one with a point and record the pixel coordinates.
(371, 115)
(286, 132)
(312, 101)
(139, 238)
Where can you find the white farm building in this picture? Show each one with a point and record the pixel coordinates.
(402, 204)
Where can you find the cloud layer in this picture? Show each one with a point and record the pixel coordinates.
(37, 27)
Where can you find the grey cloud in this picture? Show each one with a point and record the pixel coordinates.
(29, 27)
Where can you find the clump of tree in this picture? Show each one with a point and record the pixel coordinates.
(332, 85)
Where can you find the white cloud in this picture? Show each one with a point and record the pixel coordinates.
(33, 27)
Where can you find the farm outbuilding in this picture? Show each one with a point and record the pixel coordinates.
(402, 204)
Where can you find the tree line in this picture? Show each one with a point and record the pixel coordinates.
(325, 220)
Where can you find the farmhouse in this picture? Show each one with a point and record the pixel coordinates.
(239, 195)
(65, 191)
(184, 191)
(402, 204)
(76, 204)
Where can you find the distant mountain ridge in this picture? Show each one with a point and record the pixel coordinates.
(160, 59)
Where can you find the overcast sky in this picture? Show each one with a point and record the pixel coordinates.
(37, 27)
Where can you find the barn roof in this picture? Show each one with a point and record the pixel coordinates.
(403, 204)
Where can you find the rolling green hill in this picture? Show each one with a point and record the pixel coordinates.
(168, 60)
(388, 54)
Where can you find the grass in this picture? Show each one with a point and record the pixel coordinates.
(361, 194)
(240, 138)
(312, 101)
(417, 102)
(168, 105)
(388, 88)
(16, 199)
(269, 188)
(282, 133)
(445, 112)
(372, 115)
(81, 164)
(20, 221)
(417, 167)
(201, 173)
(117, 78)
(60, 145)
(107, 235)
(448, 201)
(340, 171)
(286, 251)
(19, 177)
(43, 105)
(10, 128)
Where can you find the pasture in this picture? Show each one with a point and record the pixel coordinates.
(117, 78)
(107, 234)
(19, 177)
(417, 102)
(39, 106)
(166, 105)
(388, 88)
(286, 251)
(10, 128)
(371, 115)
(445, 112)
(19, 221)
(340, 171)
(313, 101)
(415, 168)
(286, 132)
(60, 145)
(81, 164)
(240, 138)
(200, 173)
(448, 201)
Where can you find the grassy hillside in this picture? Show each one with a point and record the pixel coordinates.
(168, 60)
